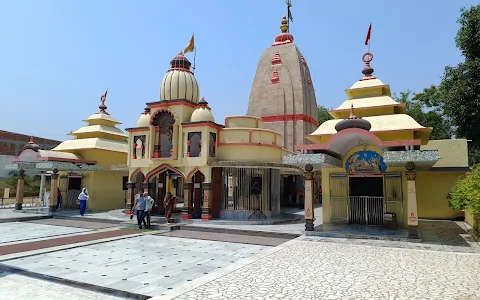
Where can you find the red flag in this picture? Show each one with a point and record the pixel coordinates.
(367, 39)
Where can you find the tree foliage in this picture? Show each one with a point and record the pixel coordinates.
(465, 194)
(425, 108)
(28, 182)
(323, 114)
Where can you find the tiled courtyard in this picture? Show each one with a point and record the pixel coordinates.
(207, 265)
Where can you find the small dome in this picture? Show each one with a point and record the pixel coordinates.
(31, 145)
(353, 122)
(179, 83)
(144, 120)
(202, 113)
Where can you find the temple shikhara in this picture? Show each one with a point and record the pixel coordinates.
(372, 164)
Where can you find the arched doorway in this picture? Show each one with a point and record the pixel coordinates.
(162, 180)
(197, 194)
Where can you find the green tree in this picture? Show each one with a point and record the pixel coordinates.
(28, 182)
(465, 194)
(426, 110)
(323, 114)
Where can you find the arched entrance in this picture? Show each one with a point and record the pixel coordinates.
(162, 180)
(197, 194)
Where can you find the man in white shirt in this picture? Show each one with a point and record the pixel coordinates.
(148, 208)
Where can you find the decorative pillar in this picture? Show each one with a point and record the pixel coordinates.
(207, 201)
(19, 193)
(411, 175)
(41, 194)
(130, 194)
(309, 195)
(52, 205)
(187, 209)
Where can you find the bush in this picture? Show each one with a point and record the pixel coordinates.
(465, 194)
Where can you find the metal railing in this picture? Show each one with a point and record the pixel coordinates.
(366, 210)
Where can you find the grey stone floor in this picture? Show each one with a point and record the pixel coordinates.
(147, 265)
(23, 231)
(20, 287)
(311, 270)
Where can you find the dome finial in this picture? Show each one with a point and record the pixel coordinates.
(368, 70)
(102, 106)
(352, 114)
(31, 145)
(180, 62)
(353, 122)
(284, 26)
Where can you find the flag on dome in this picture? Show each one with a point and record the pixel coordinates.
(367, 39)
(289, 4)
(191, 45)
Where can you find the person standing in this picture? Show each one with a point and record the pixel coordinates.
(140, 209)
(148, 209)
(169, 202)
(59, 198)
(82, 198)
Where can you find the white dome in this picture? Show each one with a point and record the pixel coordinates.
(179, 82)
(202, 114)
(144, 120)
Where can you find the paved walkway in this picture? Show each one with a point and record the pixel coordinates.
(16, 286)
(311, 270)
(22, 231)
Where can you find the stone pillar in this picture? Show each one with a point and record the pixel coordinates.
(187, 210)
(130, 195)
(20, 188)
(411, 175)
(41, 195)
(309, 198)
(207, 201)
(52, 205)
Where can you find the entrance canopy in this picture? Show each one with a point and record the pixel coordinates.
(318, 160)
(35, 159)
(423, 159)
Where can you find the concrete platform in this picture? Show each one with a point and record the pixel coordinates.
(156, 226)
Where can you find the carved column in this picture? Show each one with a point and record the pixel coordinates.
(187, 209)
(411, 175)
(20, 188)
(52, 205)
(130, 194)
(309, 198)
(207, 201)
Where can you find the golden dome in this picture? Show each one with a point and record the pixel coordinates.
(179, 83)
(202, 113)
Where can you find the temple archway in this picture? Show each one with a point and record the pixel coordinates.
(162, 180)
(163, 122)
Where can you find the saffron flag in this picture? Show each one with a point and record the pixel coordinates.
(191, 45)
(367, 39)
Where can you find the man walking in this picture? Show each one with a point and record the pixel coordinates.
(148, 209)
(140, 207)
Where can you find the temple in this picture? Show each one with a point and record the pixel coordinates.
(220, 171)
(282, 94)
(385, 165)
(94, 159)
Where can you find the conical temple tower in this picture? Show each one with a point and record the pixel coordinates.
(282, 92)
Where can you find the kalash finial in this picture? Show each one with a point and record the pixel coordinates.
(368, 70)
(102, 106)
(284, 26)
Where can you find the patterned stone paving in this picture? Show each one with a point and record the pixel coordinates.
(21, 287)
(145, 265)
(22, 231)
(345, 270)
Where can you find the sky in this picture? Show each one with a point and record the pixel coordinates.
(57, 57)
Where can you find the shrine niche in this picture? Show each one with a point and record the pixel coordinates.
(194, 144)
(163, 122)
(139, 146)
(212, 144)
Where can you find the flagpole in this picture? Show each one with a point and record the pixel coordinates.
(369, 39)
(194, 58)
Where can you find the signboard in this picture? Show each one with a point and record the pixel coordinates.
(365, 162)
(160, 185)
(196, 185)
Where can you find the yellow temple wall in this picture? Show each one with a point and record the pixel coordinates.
(105, 187)
(432, 191)
(249, 153)
(473, 220)
(326, 191)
